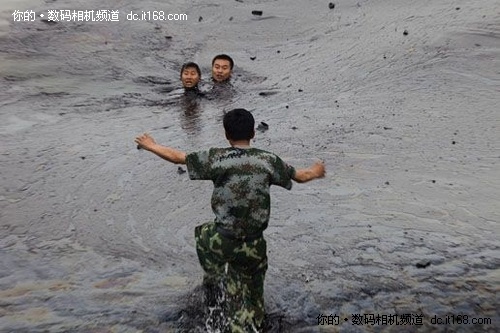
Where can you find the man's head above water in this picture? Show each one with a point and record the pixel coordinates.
(222, 68)
(190, 75)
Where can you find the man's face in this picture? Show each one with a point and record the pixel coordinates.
(190, 77)
(221, 70)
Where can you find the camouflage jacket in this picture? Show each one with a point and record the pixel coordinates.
(242, 178)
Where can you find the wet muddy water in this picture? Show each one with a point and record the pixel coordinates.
(97, 236)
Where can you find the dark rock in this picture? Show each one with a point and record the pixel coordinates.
(286, 107)
(387, 183)
(405, 32)
(82, 157)
(262, 127)
(278, 51)
(253, 58)
(458, 8)
(300, 90)
(180, 170)
(168, 37)
(257, 12)
(231, 18)
(294, 127)
(453, 142)
(200, 19)
(433, 181)
(387, 128)
(423, 264)
(331, 5)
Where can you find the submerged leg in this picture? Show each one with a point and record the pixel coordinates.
(233, 281)
(245, 287)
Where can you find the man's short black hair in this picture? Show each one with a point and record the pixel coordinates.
(224, 57)
(239, 124)
(191, 65)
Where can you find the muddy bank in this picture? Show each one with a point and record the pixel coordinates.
(97, 236)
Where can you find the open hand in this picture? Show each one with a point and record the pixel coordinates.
(145, 141)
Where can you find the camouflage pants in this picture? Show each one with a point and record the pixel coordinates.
(234, 275)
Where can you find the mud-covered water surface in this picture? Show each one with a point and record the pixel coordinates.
(399, 98)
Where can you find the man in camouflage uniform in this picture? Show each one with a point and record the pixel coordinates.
(231, 249)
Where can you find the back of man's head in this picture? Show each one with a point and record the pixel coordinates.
(239, 125)
(224, 57)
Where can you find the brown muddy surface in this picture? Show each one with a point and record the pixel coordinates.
(400, 98)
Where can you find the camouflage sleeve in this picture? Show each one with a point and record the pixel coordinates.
(283, 174)
(198, 165)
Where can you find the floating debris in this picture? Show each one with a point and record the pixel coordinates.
(267, 93)
(423, 264)
(262, 127)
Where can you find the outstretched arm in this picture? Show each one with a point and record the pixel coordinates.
(147, 142)
(317, 170)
